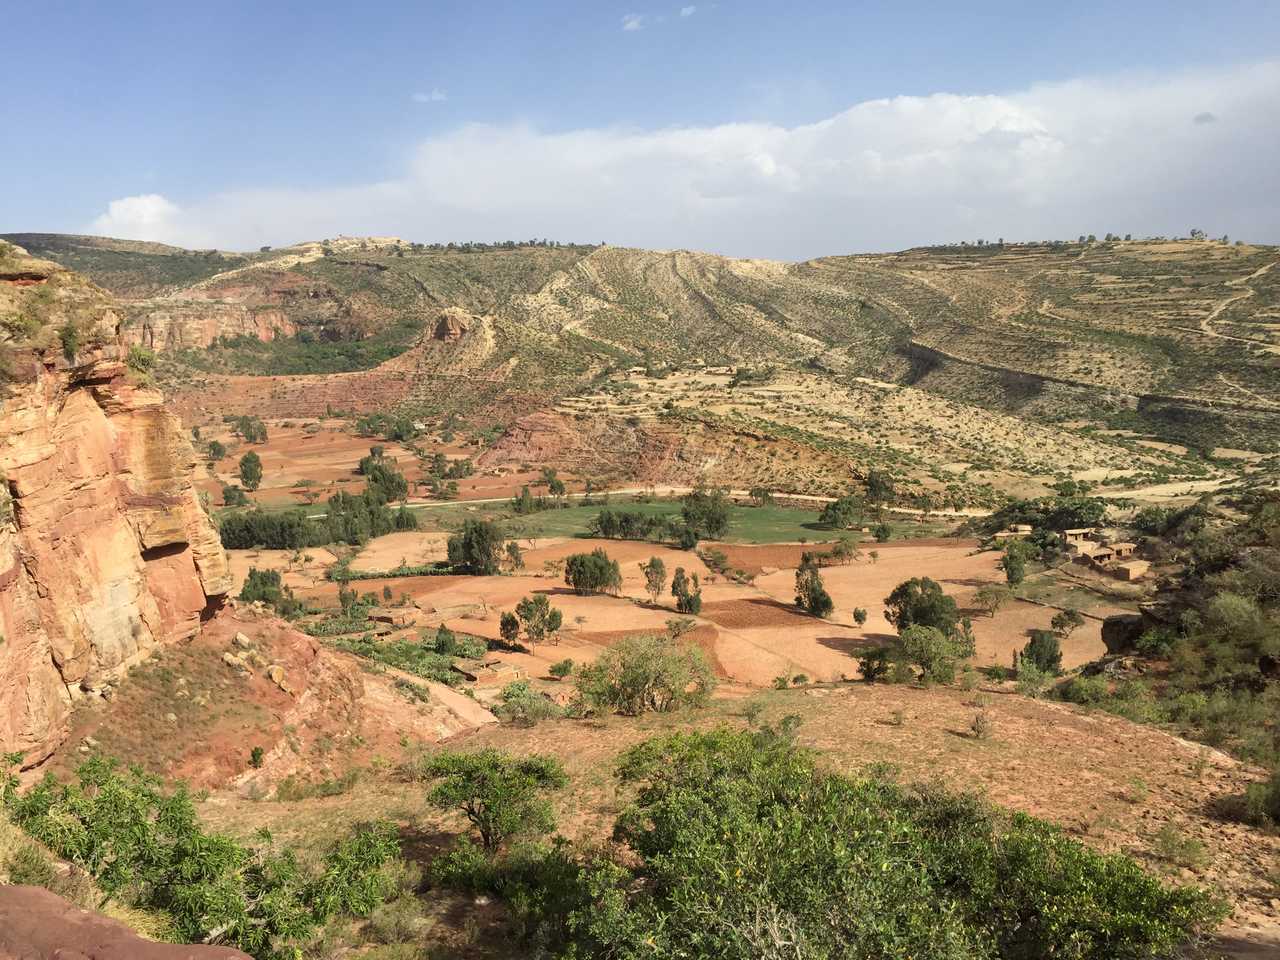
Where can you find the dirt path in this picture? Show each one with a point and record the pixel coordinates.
(1206, 323)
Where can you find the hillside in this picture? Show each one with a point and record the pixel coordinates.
(972, 371)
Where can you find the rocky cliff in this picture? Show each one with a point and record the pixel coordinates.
(105, 550)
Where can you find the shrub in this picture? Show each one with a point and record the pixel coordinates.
(138, 842)
(256, 757)
(265, 586)
(1031, 679)
(860, 616)
(1085, 690)
(639, 674)
(524, 705)
(561, 669)
(873, 664)
(234, 496)
(739, 845)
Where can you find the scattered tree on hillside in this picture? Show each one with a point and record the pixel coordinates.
(655, 577)
(687, 591)
(1066, 622)
(991, 597)
(539, 619)
(1044, 651)
(592, 572)
(216, 451)
(920, 600)
(515, 556)
(250, 470)
(811, 593)
(477, 548)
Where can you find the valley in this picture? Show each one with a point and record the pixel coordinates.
(290, 527)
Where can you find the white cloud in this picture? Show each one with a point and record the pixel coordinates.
(1055, 160)
(148, 216)
(633, 21)
(688, 11)
(435, 96)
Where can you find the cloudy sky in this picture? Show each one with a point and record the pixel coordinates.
(746, 128)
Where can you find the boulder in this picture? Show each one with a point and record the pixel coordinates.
(1120, 632)
(36, 924)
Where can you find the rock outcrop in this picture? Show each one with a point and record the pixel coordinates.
(452, 325)
(105, 549)
(36, 924)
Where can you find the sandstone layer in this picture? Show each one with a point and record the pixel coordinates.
(105, 549)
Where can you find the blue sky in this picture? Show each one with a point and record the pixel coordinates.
(741, 127)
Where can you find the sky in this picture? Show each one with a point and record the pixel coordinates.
(754, 129)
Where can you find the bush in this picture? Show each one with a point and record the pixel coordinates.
(1031, 679)
(933, 651)
(1085, 690)
(639, 674)
(561, 669)
(874, 663)
(524, 706)
(738, 845)
(265, 586)
(143, 844)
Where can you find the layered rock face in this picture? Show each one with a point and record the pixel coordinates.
(105, 549)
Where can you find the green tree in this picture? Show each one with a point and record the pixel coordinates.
(1066, 622)
(920, 600)
(539, 618)
(844, 512)
(477, 548)
(592, 572)
(1014, 562)
(216, 451)
(687, 591)
(655, 578)
(233, 496)
(706, 513)
(811, 593)
(1044, 650)
(509, 628)
(515, 556)
(879, 486)
(991, 597)
(502, 796)
(250, 470)
(933, 651)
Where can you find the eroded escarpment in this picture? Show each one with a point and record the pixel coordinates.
(105, 549)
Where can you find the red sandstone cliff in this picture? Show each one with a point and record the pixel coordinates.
(105, 549)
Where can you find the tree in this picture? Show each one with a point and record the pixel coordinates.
(1066, 622)
(811, 593)
(515, 556)
(687, 591)
(233, 496)
(477, 548)
(706, 513)
(500, 795)
(860, 616)
(1014, 562)
(933, 651)
(250, 470)
(592, 572)
(920, 600)
(555, 486)
(509, 628)
(844, 512)
(539, 618)
(655, 578)
(761, 496)
(846, 550)
(216, 451)
(991, 597)
(1043, 650)
(879, 486)
(561, 669)
(640, 674)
